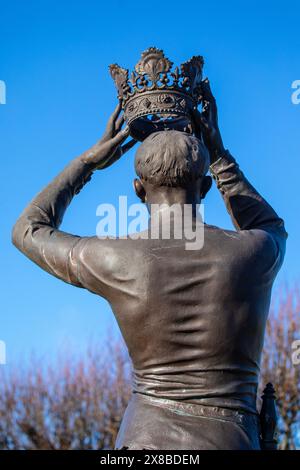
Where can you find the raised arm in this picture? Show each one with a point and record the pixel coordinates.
(247, 208)
(36, 231)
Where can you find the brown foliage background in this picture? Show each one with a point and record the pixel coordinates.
(78, 402)
(283, 329)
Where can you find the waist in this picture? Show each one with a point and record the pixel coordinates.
(225, 389)
(154, 423)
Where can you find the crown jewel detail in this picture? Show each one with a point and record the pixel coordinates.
(155, 97)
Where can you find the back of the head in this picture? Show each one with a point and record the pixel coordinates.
(171, 158)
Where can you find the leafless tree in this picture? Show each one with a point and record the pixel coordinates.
(76, 404)
(283, 329)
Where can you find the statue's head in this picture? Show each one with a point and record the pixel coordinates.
(171, 159)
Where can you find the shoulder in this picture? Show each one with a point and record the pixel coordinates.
(108, 254)
(258, 245)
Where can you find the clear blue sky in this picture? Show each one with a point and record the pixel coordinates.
(54, 58)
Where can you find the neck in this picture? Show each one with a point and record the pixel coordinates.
(168, 196)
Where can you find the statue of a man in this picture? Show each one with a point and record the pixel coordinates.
(193, 320)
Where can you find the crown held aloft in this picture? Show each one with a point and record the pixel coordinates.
(155, 97)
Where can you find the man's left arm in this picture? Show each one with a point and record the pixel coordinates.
(36, 232)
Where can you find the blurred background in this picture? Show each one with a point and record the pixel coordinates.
(54, 59)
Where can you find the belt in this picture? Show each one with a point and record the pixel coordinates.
(205, 411)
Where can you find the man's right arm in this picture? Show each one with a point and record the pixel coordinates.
(250, 212)
(247, 208)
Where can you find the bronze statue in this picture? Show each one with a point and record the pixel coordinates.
(193, 320)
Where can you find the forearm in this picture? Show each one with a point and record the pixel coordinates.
(49, 206)
(36, 231)
(247, 208)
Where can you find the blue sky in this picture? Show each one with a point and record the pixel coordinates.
(54, 59)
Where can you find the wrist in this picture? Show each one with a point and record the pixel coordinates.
(215, 145)
(216, 152)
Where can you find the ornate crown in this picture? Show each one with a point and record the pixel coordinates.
(155, 97)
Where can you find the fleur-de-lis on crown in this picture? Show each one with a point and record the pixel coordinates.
(153, 63)
(192, 71)
(120, 77)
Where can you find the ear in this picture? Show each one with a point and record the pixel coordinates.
(205, 186)
(139, 189)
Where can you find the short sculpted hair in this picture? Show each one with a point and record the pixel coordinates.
(171, 158)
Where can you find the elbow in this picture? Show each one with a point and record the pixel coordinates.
(17, 234)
